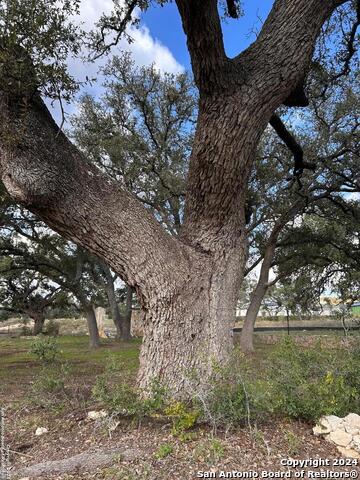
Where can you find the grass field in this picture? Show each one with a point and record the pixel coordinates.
(18, 366)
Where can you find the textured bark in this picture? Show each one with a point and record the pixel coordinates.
(194, 330)
(82, 462)
(94, 341)
(180, 282)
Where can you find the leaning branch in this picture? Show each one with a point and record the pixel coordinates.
(292, 144)
(110, 26)
(280, 57)
(43, 171)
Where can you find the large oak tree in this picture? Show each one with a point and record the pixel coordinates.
(187, 285)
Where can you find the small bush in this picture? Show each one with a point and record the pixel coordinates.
(49, 388)
(183, 417)
(45, 349)
(164, 451)
(307, 383)
(293, 442)
(116, 391)
(119, 399)
(50, 380)
(233, 395)
(209, 451)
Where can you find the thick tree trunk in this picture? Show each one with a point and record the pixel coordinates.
(194, 330)
(94, 341)
(39, 320)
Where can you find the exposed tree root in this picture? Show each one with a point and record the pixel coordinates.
(88, 461)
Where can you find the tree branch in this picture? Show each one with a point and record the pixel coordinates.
(43, 171)
(232, 10)
(201, 24)
(101, 47)
(278, 61)
(350, 44)
(292, 144)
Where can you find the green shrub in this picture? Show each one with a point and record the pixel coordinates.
(164, 451)
(210, 451)
(297, 382)
(309, 382)
(232, 396)
(294, 382)
(50, 380)
(49, 388)
(158, 399)
(121, 398)
(45, 349)
(183, 417)
(293, 442)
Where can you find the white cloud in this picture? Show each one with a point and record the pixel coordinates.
(90, 11)
(145, 50)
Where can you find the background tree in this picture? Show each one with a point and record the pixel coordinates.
(326, 135)
(140, 133)
(330, 253)
(30, 251)
(107, 280)
(28, 293)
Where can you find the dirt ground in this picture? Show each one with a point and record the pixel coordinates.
(135, 449)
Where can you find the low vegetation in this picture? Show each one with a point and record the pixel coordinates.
(291, 381)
